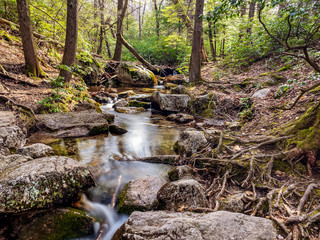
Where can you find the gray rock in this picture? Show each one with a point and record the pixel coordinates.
(233, 203)
(180, 118)
(36, 150)
(121, 103)
(60, 223)
(219, 225)
(170, 102)
(7, 162)
(262, 93)
(177, 79)
(41, 183)
(75, 124)
(165, 159)
(130, 109)
(116, 130)
(140, 194)
(181, 172)
(7, 119)
(182, 193)
(180, 89)
(126, 94)
(135, 75)
(190, 141)
(12, 137)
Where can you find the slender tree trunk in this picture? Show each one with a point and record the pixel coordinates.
(195, 61)
(70, 47)
(102, 26)
(157, 18)
(32, 66)
(107, 45)
(252, 9)
(212, 48)
(122, 7)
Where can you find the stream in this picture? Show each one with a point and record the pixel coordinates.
(111, 159)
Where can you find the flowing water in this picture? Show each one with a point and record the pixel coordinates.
(112, 159)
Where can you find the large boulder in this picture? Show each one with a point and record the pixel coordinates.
(182, 193)
(163, 225)
(140, 195)
(170, 102)
(41, 183)
(57, 224)
(190, 141)
(7, 162)
(36, 150)
(75, 124)
(135, 75)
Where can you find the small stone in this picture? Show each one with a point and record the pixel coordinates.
(36, 150)
(262, 93)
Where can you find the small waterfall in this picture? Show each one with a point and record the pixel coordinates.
(104, 215)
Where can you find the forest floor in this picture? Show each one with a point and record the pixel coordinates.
(261, 126)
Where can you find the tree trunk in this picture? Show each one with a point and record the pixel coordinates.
(252, 9)
(102, 26)
(136, 54)
(195, 61)
(70, 47)
(32, 66)
(122, 7)
(157, 18)
(212, 48)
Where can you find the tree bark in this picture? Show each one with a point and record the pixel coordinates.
(195, 61)
(136, 54)
(157, 17)
(102, 26)
(70, 47)
(32, 66)
(252, 8)
(212, 48)
(122, 8)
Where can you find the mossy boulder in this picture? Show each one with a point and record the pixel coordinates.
(11, 138)
(52, 224)
(42, 183)
(189, 142)
(129, 73)
(272, 79)
(170, 102)
(204, 105)
(134, 103)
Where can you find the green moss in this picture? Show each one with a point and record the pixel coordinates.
(134, 103)
(123, 207)
(284, 68)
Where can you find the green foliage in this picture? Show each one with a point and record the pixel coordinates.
(247, 109)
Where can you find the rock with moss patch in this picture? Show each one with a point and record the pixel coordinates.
(204, 105)
(180, 118)
(165, 159)
(170, 102)
(132, 74)
(140, 194)
(121, 103)
(129, 109)
(53, 224)
(190, 141)
(116, 130)
(181, 172)
(134, 103)
(182, 193)
(41, 183)
(272, 79)
(74, 124)
(163, 225)
(176, 79)
(36, 150)
(233, 203)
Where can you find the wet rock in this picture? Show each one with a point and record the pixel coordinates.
(130, 109)
(75, 124)
(84, 107)
(36, 150)
(182, 193)
(126, 94)
(58, 224)
(121, 103)
(134, 103)
(219, 225)
(165, 159)
(233, 203)
(262, 93)
(135, 75)
(11, 137)
(116, 130)
(140, 195)
(42, 183)
(176, 79)
(180, 118)
(170, 102)
(190, 141)
(141, 97)
(181, 172)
